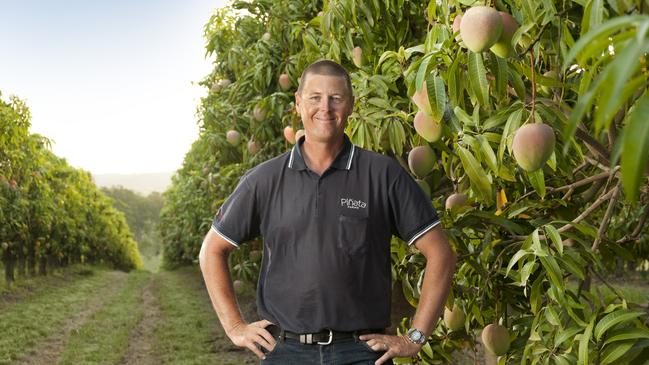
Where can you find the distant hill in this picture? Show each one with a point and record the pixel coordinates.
(141, 183)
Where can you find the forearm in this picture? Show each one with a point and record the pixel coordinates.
(434, 290)
(219, 286)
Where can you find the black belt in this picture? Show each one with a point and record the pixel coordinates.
(324, 337)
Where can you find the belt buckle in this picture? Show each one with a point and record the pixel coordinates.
(331, 336)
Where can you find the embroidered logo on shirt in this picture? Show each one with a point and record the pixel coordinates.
(352, 204)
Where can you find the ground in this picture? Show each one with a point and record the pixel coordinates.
(92, 315)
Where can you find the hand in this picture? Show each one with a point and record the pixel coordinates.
(249, 335)
(394, 346)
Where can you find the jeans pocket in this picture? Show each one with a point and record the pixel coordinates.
(273, 351)
(352, 235)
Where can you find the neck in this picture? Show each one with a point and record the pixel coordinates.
(320, 155)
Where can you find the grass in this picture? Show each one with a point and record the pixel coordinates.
(189, 331)
(103, 338)
(42, 311)
(151, 263)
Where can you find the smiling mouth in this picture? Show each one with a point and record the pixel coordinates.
(325, 120)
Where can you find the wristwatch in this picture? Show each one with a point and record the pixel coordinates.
(416, 336)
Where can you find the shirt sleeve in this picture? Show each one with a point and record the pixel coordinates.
(237, 220)
(412, 211)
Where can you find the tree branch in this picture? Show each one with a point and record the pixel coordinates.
(588, 180)
(597, 148)
(580, 218)
(636, 232)
(607, 217)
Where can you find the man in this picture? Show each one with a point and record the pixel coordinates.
(326, 210)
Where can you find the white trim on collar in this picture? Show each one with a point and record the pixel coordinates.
(351, 156)
(290, 161)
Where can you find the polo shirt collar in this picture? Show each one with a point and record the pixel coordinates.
(342, 162)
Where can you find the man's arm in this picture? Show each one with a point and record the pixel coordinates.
(213, 259)
(440, 266)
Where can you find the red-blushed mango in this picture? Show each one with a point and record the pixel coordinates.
(299, 134)
(239, 286)
(481, 28)
(533, 145)
(456, 201)
(456, 23)
(454, 318)
(253, 147)
(420, 98)
(421, 160)
(427, 127)
(357, 56)
(289, 134)
(503, 48)
(284, 82)
(255, 255)
(233, 137)
(424, 186)
(496, 339)
(259, 113)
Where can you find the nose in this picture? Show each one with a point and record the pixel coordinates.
(325, 104)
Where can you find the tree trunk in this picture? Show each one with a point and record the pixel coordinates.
(10, 264)
(22, 267)
(31, 264)
(42, 266)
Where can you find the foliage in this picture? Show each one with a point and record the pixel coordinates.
(142, 214)
(527, 235)
(51, 213)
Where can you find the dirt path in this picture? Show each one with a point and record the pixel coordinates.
(141, 349)
(49, 350)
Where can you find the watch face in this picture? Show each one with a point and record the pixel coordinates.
(415, 335)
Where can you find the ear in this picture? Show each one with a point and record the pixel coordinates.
(298, 99)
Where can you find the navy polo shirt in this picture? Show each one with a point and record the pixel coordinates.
(326, 259)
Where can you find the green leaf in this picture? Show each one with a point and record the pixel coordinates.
(537, 180)
(614, 351)
(517, 257)
(569, 263)
(567, 334)
(584, 339)
(553, 270)
(501, 76)
(513, 123)
(536, 296)
(488, 154)
(603, 30)
(462, 116)
(517, 83)
(614, 318)
(438, 105)
(479, 182)
(478, 79)
(635, 152)
(617, 77)
(554, 235)
(628, 334)
(552, 316)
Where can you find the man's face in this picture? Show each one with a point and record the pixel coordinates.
(324, 105)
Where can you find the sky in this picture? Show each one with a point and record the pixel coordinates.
(112, 83)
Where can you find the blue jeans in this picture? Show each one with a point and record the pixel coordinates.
(346, 352)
